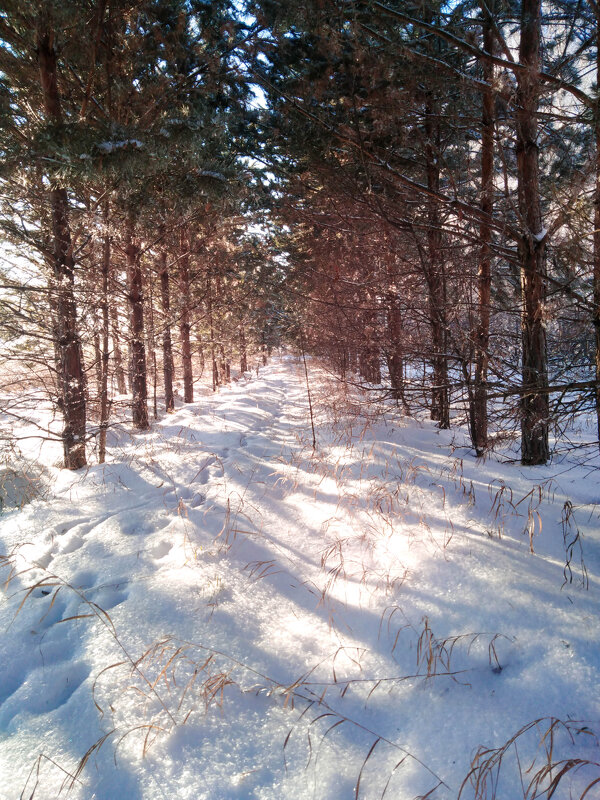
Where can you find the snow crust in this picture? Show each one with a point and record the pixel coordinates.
(218, 612)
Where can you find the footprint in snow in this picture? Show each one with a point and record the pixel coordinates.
(44, 560)
(106, 595)
(84, 579)
(49, 650)
(11, 681)
(109, 596)
(197, 500)
(65, 527)
(54, 611)
(136, 527)
(71, 544)
(61, 604)
(44, 690)
(203, 475)
(192, 499)
(161, 549)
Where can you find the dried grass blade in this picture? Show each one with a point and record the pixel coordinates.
(591, 785)
(364, 764)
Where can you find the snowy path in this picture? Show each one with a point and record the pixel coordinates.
(293, 609)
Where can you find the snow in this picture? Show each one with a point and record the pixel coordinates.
(110, 147)
(210, 173)
(220, 612)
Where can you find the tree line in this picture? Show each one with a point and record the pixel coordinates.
(409, 189)
(127, 190)
(449, 198)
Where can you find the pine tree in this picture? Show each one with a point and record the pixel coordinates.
(35, 140)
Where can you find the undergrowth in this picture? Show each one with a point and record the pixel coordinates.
(559, 761)
(141, 698)
(175, 681)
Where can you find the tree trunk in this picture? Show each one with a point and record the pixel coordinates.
(213, 353)
(139, 387)
(342, 361)
(395, 359)
(168, 369)
(243, 351)
(263, 347)
(534, 400)
(71, 372)
(225, 366)
(395, 353)
(97, 352)
(435, 273)
(116, 341)
(184, 319)
(596, 275)
(479, 421)
(151, 338)
(369, 365)
(200, 352)
(436, 278)
(104, 311)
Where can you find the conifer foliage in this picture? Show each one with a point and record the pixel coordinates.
(450, 141)
(121, 147)
(409, 188)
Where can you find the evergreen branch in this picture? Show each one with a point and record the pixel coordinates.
(515, 67)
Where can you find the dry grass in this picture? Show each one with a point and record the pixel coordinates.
(21, 479)
(174, 681)
(151, 685)
(573, 542)
(319, 720)
(549, 738)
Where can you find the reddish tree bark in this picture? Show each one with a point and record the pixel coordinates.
(70, 370)
(139, 386)
(151, 348)
(116, 347)
(596, 269)
(395, 359)
(394, 349)
(104, 310)
(213, 352)
(534, 400)
(184, 318)
(435, 276)
(479, 421)
(168, 368)
(243, 350)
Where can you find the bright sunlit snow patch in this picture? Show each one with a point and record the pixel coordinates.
(243, 617)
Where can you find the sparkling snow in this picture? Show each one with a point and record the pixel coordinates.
(219, 613)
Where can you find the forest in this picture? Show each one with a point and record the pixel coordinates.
(406, 189)
(300, 325)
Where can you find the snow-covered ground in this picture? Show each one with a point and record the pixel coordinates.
(219, 612)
